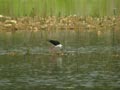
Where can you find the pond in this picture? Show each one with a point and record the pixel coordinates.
(91, 60)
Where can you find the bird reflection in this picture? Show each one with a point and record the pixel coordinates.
(57, 61)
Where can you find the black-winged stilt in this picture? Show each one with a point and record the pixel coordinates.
(57, 45)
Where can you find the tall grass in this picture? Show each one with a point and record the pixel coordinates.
(59, 7)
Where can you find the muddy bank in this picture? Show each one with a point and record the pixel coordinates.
(59, 23)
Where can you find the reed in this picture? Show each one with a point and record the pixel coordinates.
(59, 7)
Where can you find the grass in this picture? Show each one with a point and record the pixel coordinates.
(59, 7)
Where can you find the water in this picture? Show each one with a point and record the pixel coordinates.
(90, 60)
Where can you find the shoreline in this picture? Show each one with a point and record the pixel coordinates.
(74, 22)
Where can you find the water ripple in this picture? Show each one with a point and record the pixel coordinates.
(40, 50)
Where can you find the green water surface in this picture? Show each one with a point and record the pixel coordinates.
(90, 60)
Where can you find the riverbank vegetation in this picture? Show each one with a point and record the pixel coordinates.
(59, 23)
(96, 8)
(59, 14)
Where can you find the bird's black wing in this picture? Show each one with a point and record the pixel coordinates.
(54, 42)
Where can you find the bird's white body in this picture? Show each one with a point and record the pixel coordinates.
(59, 46)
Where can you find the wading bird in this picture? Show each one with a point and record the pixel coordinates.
(57, 46)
